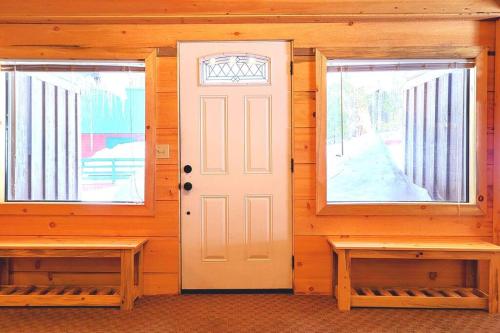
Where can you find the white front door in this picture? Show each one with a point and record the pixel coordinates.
(235, 153)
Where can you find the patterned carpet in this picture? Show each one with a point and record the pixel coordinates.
(242, 313)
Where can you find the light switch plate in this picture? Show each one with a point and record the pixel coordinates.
(163, 151)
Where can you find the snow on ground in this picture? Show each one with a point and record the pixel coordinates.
(124, 190)
(124, 150)
(367, 173)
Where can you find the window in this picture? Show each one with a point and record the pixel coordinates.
(400, 131)
(234, 69)
(74, 131)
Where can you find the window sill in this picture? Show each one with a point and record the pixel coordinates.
(72, 209)
(408, 209)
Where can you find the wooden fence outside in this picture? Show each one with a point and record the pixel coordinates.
(43, 139)
(436, 133)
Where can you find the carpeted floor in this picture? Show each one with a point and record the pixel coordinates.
(242, 313)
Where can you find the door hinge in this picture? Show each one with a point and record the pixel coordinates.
(292, 165)
(293, 262)
(291, 67)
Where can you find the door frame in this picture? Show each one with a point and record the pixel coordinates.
(291, 171)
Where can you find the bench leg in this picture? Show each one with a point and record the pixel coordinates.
(140, 272)
(335, 275)
(494, 283)
(343, 280)
(5, 271)
(127, 279)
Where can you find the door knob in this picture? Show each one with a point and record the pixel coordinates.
(188, 186)
(188, 168)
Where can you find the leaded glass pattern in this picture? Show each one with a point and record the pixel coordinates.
(234, 69)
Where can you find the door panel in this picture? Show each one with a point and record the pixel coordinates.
(259, 226)
(214, 218)
(235, 134)
(213, 134)
(258, 133)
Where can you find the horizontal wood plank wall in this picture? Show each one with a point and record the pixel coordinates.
(251, 10)
(312, 255)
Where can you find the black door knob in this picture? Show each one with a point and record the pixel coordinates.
(188, 186)
(188, 168)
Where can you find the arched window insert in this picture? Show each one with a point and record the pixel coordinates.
(235, 69)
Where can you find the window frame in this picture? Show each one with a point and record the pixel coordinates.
(62, 208)
(477, 207)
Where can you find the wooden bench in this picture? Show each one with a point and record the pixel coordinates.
(128, 250)
(417, 297)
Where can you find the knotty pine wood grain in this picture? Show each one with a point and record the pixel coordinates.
(304, 176)
(304, 109)
(304, 149)
(306, 222)
(164, 223)
(130, 10)
(304, 78)
(166, 75)
(167, 182)
(166, 111)
(305, 35)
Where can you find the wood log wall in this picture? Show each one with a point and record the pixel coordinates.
(312, 255)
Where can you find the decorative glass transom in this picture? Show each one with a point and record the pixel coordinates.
(234, 69)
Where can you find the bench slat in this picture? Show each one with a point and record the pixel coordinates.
(416, 245)
(70, 243)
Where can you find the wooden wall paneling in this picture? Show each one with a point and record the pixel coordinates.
(161, 283)
(304, 109)
(167, 75)
(306, 222)
(167, 216)
(398, 52)
(303, 181)
(253, 10)
(304, 150)
(169, 137)
(305, 35)
(62, 278)
(62, 265)
(407, 273)
(166, 110)
(74, 53)
(167, 182)
(161, 255)
(304, 73)
(164, 223)
(313, 265)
